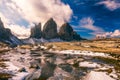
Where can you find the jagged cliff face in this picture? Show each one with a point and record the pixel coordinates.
(66, 33)
(6, 35)
(50, 29)
(36, 31)
(77, 36)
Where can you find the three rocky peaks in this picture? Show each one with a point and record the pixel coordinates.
(49, 31)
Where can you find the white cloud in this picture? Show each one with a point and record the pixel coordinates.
(88, 23)
(110, 4)
(33, 11)
(114, 34)
(20, 31)
(5, 20)
(37, 10)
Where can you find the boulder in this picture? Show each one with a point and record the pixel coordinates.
(22, 70)
(34, 75)
(47, 70)
(50, 29)
(60, 74)
(36, 31)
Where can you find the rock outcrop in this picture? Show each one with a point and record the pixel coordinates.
(4, 33)
(36, 31)
(7, 37)
(50, 29)
(77, 36)
(67, 33)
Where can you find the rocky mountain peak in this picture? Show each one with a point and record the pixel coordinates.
(67, 33)
(50, 29)
(0, 20)
(6, 35)
(1, 24)
(66, 28)
(51, 19)
(36, 31)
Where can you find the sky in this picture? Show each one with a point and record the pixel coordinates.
(89, 18)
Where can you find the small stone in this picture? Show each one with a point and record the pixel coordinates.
(22, 70)
(66, 67)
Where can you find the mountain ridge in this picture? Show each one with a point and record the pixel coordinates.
(7, 37)
(65, 33)
(48, 34)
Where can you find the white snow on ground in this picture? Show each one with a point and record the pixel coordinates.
(84, 53)
(18, 61)
(11, 67)
(20, 76)
(43, 47)
(33, 40)
(93, 75)
(14, 70)
(113, 73)
(89, 64)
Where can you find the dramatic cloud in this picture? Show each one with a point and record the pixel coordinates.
(26, 12)
(114, 34)
(5, 20)
(20, 31)
(88, 23)
(110, 4)
(36, 10)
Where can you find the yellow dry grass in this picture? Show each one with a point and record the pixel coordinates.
(95, 46)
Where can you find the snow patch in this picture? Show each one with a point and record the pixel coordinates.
(84, 53)
(89, 64)
(93, 75)
(34, 40)
(20, 76)
(11, 67)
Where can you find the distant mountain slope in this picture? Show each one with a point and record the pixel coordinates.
(48, 34)
(7, 37)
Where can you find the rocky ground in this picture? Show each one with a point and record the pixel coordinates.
(42, 62)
